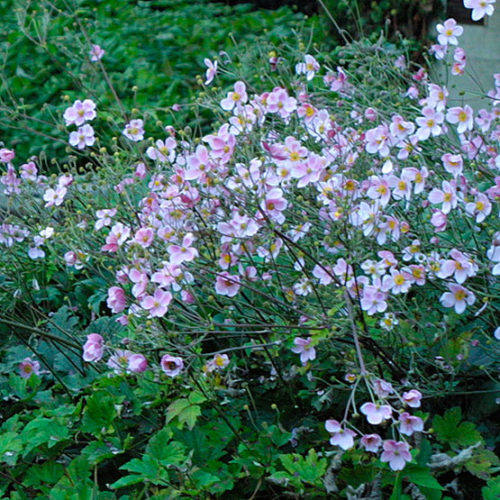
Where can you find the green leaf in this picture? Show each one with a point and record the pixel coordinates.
(43, 430)
(450, 430)
(492, 490)
(10, 446)
(185, 411)
(421, 476)
(99, 413)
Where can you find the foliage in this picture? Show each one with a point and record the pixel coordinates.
(299, 299)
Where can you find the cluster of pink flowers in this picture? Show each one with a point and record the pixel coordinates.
(396, 453)
(78, 114)
(125, 361)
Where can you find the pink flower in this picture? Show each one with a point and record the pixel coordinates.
(171, 365)
(236, 98)
(211, 71)
(127, 362)
(480, 207)
(304, 348)
(309, 67)
(344, 438)
(463, 116)
(29, 171)
(134, 130)
(408, 424)
(93, 349)
(96, 53)
(429, 124)
(164, 151)
(439, 220)
(447, 196)
(371, 442)
(458, 297)
(6, 156)
(274, 204)
(448, 32)
(460, 265)
(28, 367)
(412, 398)
(480, 8)
(227, 284)
(396, 453)
(184, 252)
(144, 237)
(54, 197)
(376, 414)
(137, 363)
(83, 137)
(116, 237)
(116, 299)
(104, 217)
(218, 363)
(80, 112)
(453, 164)
(157, 304)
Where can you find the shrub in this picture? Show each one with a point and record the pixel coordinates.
(302, 301)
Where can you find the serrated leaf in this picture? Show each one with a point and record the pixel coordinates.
(421, 476)
(450, 430)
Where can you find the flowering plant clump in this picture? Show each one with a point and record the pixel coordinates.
(326, 258)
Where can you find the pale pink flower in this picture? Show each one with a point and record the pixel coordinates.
(164, 151)
(480, 8)
(96, 53)
(236, 98)
(29, 171)
(412, 398)
(218, 363)
(439, 51)
(304, 348)
(7, 155)
(308, 68)
(80, 112)
(171, 365)
(157, 304)
(480, 208)
(344, 438)
(457, 297)
(184, 252)
(274, 204)
(373, 300)
(134, 130)
(461, 266)
(29, 367)
(439, 220)
(144, 237)
(376, 414)
(137, 363)
(371, 442)
(382, 388)
(448, 32)
(104, 217)
(409, 424)
(118, 235)
(211, 71)
(83, 137)
(429, 124)
(464, 117)
(280, 102)
(398, 281)
(116, 300)
(93, 349)
(54, 197)
(396, 453)
(227, 284)
(453, 164)
(447, 196)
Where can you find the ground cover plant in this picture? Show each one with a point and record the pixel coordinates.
(301, 301)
